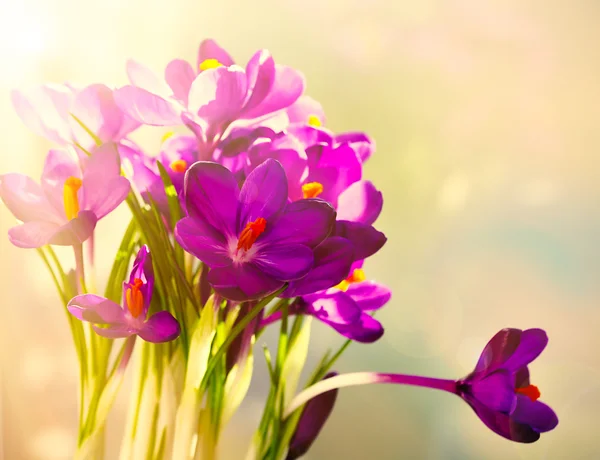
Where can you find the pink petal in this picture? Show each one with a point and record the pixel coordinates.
(361, 202)
(179, 76)
(144, 78)
(25, 199)
(160, 327)
(217, 95)
(76, 231)
(146, 107)
(96, 309)
(210, 50)
(260, 73)
(58, 167)
(114, 332)
(32, 234)
(305, 106)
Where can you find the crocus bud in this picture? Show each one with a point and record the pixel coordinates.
(313, 418)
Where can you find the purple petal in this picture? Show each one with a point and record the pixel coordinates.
(369, 295)
(306, 222)
(242, 282)
(310, 136)
(118, 331)
(365, 330)
(287, 88)
(76, 231)
(284, 262)
(179, 76)
(160, 327)
(536, 414)
(211, 194)
(239, 140)
(304, 107)
(500, 347)
(217, 95)
(360, 202)
(96, 309)
(59, 165)
(362, 144)
(32, 234)
(146, 107)
(533, 342)
(137, 166)
(264, 193)
(522, 377)
(210, 50)
(313, 418)
(333, 308)
(366, 240)
(495, 391)
(26, 200)
(203, 241)
(144, 78)
(260, 73)
(333, 259)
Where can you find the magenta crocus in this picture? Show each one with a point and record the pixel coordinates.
(74, 194)
(114, 321)
(499, 389)
(252, 239)
(57, 113)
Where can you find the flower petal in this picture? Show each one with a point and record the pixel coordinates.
(369, 295)
(264, 193)
(96, 309)
(33, 234)
(203, 241)
(284, 261)
(495, 391)
(360, 202)
(260, 73)
(118, 331)
(144, 78)
(25, 199)
(366, 240)
(142, 269)
(211, 194)
(146, 107)
(58, 167)
(333, 308)
(362, 144)
(209, 49)
(160, 327)
(217, 95)
(365, 329)
(304, 107)
(533, 342)
(536, 414)
(333, 259)
(76, 231)
(179, 76)
(306, 222)
(242, 282)
(500, 347)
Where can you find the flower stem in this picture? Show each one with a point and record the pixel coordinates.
(365, 378)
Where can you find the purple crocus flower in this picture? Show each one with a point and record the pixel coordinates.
(253, 240)
(306, 111)
(498, 390)
(313, 418)
(74, 194)
(50, 111)
(114, 321)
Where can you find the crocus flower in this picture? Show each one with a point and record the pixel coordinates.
(306, 111)
(498, 390)
(57, 113)
(74, 194)
(114, 321)
(252, 239)
(313, 418)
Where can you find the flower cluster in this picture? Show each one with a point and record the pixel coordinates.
(253, 215)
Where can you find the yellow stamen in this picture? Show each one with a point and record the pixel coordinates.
(178, 166)
(135, 298)
(357, 276)
(70, 200)
(312, 189)
(166, 137)
(209, 64)
(314, 120)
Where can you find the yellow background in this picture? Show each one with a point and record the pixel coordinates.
(486, 119)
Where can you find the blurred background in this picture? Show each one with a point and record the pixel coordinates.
(485, 116)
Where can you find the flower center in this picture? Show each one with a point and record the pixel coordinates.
(178, 166)
(314, 120)
(312, 189)
(251, 232)
(209, 64)
(357, 275)
(531, 391)
(135, 298)
(167, 136)
(71, 202)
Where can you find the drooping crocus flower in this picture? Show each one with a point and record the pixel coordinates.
(114, 321)
(71, 199)
(499, 389)
(253, 240)
(313, 418)
(57, 113)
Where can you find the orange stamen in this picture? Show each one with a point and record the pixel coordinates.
(178, 166)
(312, 189)
(251, 232)
(530, 391)
(135, 298)
(70, 200)
(357, 276)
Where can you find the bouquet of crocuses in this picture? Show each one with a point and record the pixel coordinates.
(258, 216)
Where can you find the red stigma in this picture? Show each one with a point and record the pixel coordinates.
(531, 391)
(251, 232)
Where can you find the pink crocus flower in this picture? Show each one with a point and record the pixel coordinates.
(74, 194)
(57, 112)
